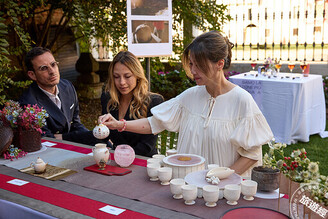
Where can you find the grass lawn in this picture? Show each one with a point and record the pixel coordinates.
(317, 147)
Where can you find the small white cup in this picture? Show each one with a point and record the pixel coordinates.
(171, 152)
(211, 195)
(152, 169)
(164, 175)
(212, 166)
(232, 193)
(175, 186)
(153, 160)
(160, 157)
(248, 189)
(189, 193)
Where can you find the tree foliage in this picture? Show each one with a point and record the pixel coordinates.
(42, 22)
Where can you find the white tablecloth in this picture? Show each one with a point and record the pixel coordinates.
(294, 107)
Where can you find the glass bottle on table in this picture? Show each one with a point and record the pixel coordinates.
(303, 66)
(291, 66)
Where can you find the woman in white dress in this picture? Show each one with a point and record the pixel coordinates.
(215, 119)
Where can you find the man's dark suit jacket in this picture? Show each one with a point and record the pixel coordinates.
(65, 121)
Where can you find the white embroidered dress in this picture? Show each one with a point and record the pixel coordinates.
(219, 129)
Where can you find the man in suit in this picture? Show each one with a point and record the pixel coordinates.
(57, 96)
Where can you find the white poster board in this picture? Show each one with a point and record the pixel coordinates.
(149, 25)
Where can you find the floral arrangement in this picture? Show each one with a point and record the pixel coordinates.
(11, 112)
(268, 64)
(297, 167)
(31, 117)
(13, 152)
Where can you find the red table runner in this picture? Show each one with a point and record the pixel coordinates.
(137, 161)
(65, 200)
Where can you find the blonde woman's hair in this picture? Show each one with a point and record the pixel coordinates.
(210, 46)
(141, 96)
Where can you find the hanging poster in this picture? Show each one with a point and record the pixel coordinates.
(149, 25)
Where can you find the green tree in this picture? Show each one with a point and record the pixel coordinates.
(30, 22)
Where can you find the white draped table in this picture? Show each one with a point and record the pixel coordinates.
(294, 106)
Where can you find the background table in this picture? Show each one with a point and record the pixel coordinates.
(294, 108)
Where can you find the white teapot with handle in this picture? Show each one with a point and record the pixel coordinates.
(39, 165)
(100, 153)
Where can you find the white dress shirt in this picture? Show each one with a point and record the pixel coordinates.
(53, 97)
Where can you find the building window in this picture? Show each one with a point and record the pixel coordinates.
(295, 31)
(250, 14)
(267, 32)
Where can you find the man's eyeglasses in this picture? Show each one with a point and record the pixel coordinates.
(46, 67)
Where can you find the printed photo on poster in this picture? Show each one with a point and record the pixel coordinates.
(149, 7)
(144, 31)
(149, 27)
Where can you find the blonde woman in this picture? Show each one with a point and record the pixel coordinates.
(126, 97)
(215, 119)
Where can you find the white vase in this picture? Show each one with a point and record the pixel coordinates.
(100, 153)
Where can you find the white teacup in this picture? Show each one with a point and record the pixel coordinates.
(152, 169)
(160, 157)
(164, 175)
(153, 160)
(189, 193)
(248, 189)
(232, 193)
(175, 186)
(211, 195)
(171, 152)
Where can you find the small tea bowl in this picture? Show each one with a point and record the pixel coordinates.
(164, 175)
(152, 169)
(232, 193)
(248, 189)
(153, 160)
(175, 186)
(160, 157)
(189, 193)
(211, 195)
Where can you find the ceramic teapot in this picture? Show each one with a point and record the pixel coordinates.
(100, 153)
(39, 165)
(101, 131)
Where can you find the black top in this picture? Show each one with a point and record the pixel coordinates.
(143, 144)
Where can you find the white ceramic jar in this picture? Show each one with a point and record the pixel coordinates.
(100, 152)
